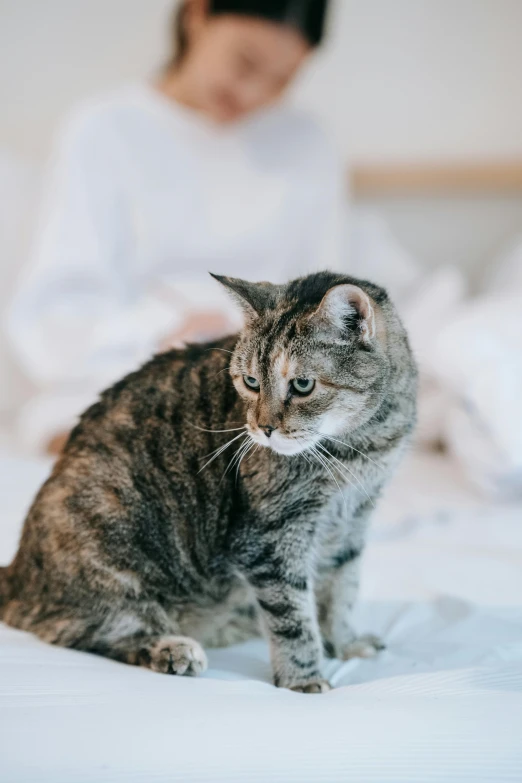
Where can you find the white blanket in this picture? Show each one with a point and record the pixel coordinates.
(442, 583)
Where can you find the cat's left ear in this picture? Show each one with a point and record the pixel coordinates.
(253, 298)
(346, 306)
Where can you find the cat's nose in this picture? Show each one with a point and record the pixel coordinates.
(267, 429)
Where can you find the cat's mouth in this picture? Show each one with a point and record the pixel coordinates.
(281, 443)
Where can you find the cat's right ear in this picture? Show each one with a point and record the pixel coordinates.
(346, 307)
(253, 298)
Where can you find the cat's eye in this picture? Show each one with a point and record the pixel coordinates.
(303, 386)
(251, 383)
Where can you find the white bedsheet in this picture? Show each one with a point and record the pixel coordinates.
(442, 583)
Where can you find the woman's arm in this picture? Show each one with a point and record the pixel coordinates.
(79, 315)
(80, 319)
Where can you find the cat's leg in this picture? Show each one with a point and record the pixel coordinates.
(142, 635)
(145, 635)
(286, 599)
(337, 591)
(168, 654)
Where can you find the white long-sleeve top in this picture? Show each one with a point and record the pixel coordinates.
(145, 198)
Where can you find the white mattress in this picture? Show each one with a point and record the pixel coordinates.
(442, 583)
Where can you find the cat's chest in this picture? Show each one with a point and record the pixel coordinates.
(326, 488)
(339, 528)
(339, 488)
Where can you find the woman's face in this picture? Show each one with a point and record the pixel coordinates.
(237, 64)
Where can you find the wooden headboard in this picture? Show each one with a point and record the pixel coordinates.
(459, 213)
(487, 178)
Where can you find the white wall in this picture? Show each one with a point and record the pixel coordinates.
(400, 78)
(53, 52)
(423, 78)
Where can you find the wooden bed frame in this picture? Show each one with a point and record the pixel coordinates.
(484, 178)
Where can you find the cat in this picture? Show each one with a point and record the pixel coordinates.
(224, 490)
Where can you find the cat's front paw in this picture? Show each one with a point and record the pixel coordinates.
(316, 686)
(176, 655)
(366, 646)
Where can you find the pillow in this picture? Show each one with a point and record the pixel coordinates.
(478, 358)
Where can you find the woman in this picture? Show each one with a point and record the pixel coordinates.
(157, 184)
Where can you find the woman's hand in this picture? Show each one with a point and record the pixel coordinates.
(198, 327)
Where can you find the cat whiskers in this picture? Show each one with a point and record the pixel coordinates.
(236, 460)
(335, 440)
(253, 452)
(223, 350)
(303, 454)
(225, 369)
(323, 462)
(243, 455)
(217, 452)
(202, 429)
(330, 463)
(340, 466)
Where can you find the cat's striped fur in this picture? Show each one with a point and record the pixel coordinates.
(133, 551)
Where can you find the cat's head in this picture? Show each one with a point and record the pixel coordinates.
(312, 359)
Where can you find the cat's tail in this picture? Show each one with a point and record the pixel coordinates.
(4, 589)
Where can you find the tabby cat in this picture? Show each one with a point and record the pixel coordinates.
(226, 488)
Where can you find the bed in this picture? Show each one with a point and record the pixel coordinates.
(442, 583)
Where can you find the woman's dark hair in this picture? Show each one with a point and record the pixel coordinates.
(308, 16)
(179, 40)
